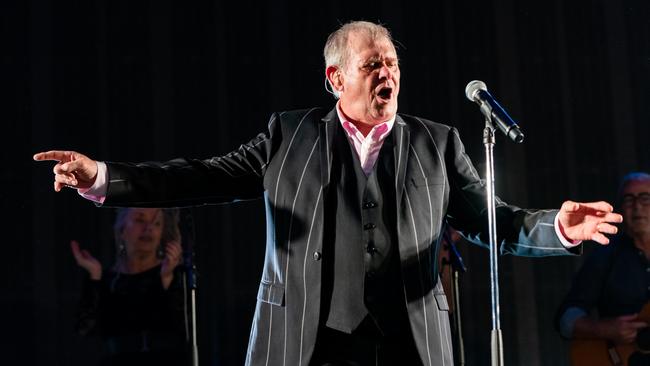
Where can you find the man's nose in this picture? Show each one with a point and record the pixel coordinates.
(385, 72)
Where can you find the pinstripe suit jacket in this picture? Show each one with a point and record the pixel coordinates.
(289, 167)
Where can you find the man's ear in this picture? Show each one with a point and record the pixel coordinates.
(335, 78)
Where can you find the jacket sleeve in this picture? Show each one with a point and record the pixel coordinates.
(520, 232)
(237, 175)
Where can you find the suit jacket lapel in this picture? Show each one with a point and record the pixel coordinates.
(326, 130)
(401, 151)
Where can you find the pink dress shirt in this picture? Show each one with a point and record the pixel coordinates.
(366, 147)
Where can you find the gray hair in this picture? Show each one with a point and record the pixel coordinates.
(337, 52)
(631, 177)
(171, 229)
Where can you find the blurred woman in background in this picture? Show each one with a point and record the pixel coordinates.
(137, 305)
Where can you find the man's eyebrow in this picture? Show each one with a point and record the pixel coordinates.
(380, 58)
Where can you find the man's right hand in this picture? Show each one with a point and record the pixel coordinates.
(71, 170)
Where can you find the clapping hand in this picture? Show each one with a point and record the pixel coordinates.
(86, 261)
(173, 252)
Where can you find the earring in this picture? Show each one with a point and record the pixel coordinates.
(121, 250)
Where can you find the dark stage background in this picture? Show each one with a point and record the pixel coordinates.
(153, 80)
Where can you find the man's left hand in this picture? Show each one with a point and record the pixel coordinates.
(588, 221)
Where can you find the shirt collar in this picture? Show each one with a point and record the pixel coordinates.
(383, 128)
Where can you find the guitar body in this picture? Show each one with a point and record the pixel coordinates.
(597, 352)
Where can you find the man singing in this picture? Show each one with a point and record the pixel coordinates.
(355, 198)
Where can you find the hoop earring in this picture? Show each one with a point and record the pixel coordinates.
(160, 253)
(121, 250)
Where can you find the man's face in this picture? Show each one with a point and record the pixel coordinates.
(635, 205)
(370, 80)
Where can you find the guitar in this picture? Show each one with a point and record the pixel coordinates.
(598, 352)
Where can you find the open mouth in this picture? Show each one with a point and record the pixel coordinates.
(385, 93)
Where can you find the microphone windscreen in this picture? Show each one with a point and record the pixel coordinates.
(472, 88)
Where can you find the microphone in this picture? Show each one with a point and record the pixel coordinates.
(476, 91)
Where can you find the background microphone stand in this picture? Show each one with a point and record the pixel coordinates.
(457, 267)
(189, 273)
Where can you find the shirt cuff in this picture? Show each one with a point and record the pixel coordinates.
(97, 192)
(566, 242)
(568, 321)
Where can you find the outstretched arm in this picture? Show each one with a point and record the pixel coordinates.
(71, 170)
(588, 221)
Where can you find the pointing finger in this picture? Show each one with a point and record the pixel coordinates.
(57, 155)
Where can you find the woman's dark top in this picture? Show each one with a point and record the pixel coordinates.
(139, 321)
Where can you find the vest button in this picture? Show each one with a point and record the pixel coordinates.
(369, 226)
(369, 204)
(317, 256)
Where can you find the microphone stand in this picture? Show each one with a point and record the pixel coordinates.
(190, 283)
(496, 339)
(457, 266)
